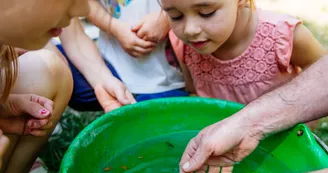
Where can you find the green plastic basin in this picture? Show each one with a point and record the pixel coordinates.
(150, 137)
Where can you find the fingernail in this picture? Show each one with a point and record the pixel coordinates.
(186, 165)
(31, 124)
(44, 112)
(36, 124)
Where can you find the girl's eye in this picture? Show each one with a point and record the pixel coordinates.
(207, 15)
(177, 18)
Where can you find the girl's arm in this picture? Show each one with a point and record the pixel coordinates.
(306, 49)
(99, 17)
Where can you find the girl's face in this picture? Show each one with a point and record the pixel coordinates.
(203, 24)
(29, 24)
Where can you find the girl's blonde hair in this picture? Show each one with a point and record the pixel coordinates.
(252, 4)
(8, 70)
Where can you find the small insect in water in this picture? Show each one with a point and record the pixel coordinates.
(108, 169)
(140, 157)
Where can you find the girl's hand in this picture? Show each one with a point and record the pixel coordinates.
(27, 114)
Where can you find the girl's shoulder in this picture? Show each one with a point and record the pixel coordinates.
(276, 18)
(276, 31)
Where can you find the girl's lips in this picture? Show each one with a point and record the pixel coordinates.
(198, 44)
(55, 32)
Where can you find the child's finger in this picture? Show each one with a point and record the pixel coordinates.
(37, 132)
(137, 26)
(144, 44)
(142, 33)
(143, 51)
(41, 128)
(45, 102)
(35, 109)
(130, 97)
(119, 93)
(49, 106)
(36, 124)
(107, 102)
(145, 38)
(135, 54)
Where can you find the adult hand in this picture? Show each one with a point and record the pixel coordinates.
(220, 145)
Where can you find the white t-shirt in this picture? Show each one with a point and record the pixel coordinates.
(143, 75)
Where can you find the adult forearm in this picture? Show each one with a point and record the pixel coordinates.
(303, 99)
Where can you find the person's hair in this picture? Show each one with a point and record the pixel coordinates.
(252, 4)
(8, 70)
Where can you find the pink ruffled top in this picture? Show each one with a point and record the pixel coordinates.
(264, 65)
